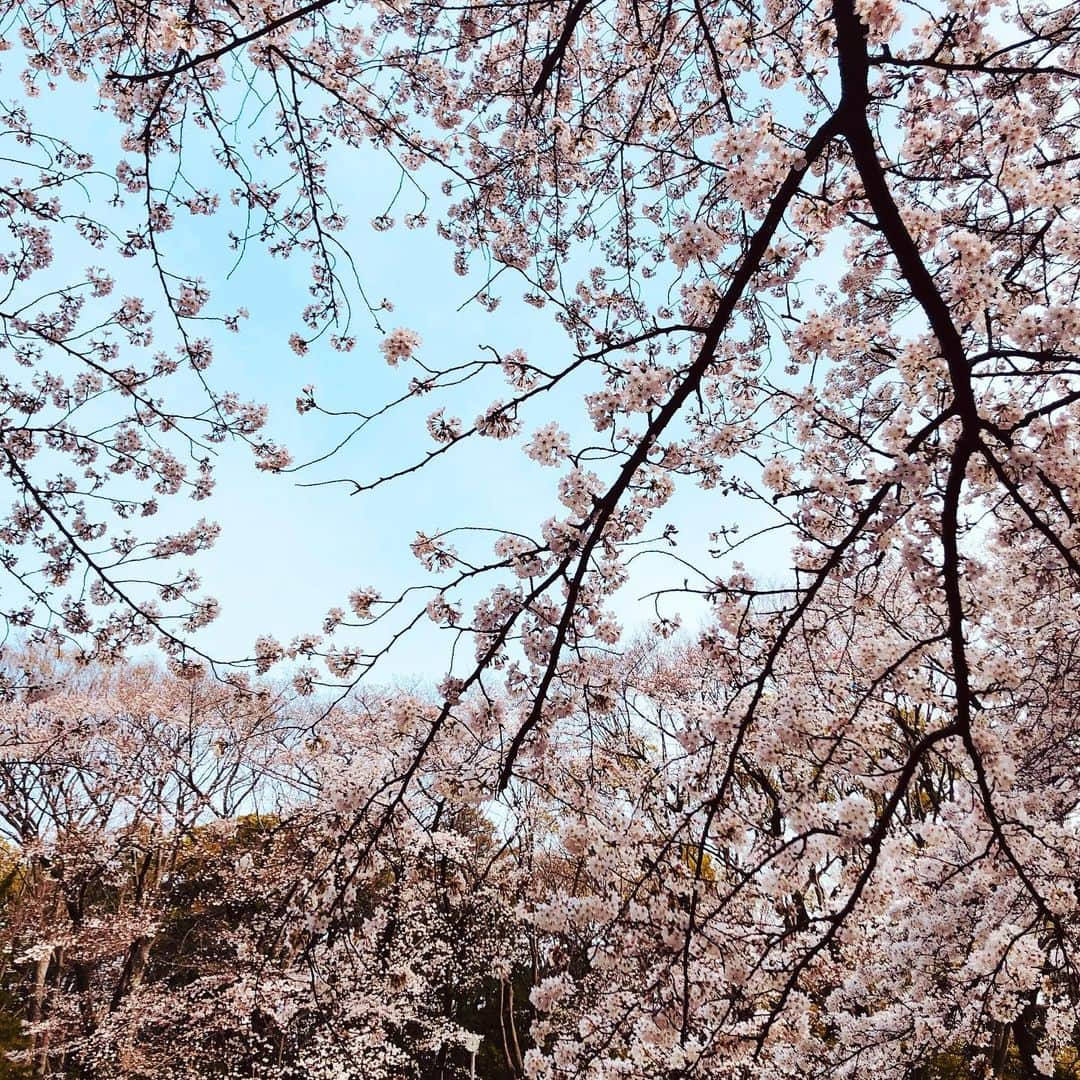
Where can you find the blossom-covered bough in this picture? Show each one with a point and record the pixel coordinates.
(820, 257)
(160, 836)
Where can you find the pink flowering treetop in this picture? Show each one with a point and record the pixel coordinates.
(817, 258)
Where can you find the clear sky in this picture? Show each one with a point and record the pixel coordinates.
(288, 553)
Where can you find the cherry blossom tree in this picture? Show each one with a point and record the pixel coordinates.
(814, 922)
(92, 436)
(105, 777)
(183, 876)
(816, 258)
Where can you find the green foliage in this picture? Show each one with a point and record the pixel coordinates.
(11, 1033)
(956, 1064)
(11, 1037)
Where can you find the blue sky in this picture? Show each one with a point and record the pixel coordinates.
(288, 553)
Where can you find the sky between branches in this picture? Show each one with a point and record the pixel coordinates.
(289, 551)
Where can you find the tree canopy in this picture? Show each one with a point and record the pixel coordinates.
(816, 261)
